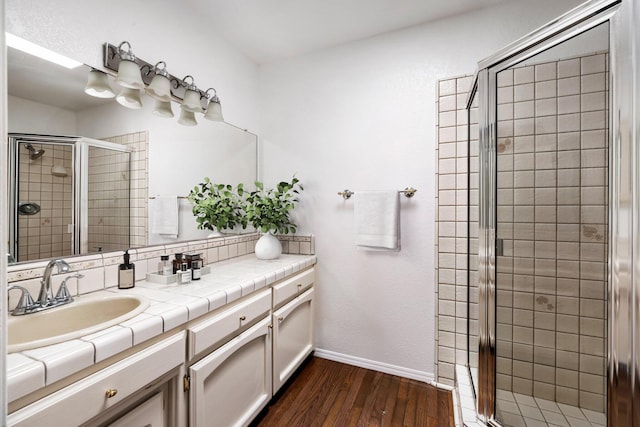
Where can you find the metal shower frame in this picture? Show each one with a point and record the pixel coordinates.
(623, 293)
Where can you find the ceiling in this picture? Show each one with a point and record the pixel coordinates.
(264, 30)
(35, 79)
(268, 30)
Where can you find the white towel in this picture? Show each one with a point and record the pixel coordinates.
(165, 216)
(377, 220)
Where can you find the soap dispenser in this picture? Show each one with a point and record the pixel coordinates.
(126, 273)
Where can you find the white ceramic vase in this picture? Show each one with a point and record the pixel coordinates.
(268, 247)
(215, 233)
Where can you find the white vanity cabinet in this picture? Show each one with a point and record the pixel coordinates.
(151, 413)
(236, 380)
(231, 380)
(220, 369)
(292, 337)
(230, 386)
(104, 391)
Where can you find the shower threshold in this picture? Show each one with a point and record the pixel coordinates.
(519, 410)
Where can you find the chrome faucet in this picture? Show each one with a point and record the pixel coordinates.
(45, 300)
(45, 297)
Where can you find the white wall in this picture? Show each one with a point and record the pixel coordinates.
(25, 116)
(362, 116)
(161, 30)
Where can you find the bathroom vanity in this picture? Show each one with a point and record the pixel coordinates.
(213, 352)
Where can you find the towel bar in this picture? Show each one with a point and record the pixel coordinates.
(179, 197)
(408, 193)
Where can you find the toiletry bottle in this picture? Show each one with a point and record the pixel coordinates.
(126, 273)
(196, 272)
(185, 273)
(164, 266)
(177, 262)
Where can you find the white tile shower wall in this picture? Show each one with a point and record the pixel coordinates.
(451, 227)
(552, 211)
(108, 200)
(45, 234)
(139, 184)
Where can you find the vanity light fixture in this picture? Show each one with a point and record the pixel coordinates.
(129, 98)
(128, 71)
(187, 118)
(163, 109)
(214, 109)
(39, 51)
(160, 86)
(191, 100)
(133, 74)
(98, 85)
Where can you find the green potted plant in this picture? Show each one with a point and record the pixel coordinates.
(218, 207)
(268, 211)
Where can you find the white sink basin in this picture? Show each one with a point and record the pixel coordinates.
(84, 316)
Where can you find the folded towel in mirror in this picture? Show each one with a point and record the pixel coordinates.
(165, 216)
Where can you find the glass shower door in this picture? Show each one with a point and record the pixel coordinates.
(551, 234)
(71, 195)
(41, 213)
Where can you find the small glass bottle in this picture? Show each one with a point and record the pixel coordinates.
(185, 273)
(164, 266)
(196, 272)
(176, 263)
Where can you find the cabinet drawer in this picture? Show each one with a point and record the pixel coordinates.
(87, 398)
(214, 330)
(289, 289)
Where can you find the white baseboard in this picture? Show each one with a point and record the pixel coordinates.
(400, 371)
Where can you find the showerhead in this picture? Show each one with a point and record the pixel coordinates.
(33, 153)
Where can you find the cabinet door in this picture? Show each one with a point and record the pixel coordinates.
(149, 414)
(230, 386)
(91, 396)
(292, 337)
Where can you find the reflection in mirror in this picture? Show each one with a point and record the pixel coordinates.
(165, 159)
(81, 190)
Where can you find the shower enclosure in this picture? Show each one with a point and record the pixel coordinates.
(69, 195)
(553, 300)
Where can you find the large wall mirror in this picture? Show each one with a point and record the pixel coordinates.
(85, 172)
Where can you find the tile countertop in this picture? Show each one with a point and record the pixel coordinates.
(170, 306)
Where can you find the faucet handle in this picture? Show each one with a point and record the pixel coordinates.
(25, 304)
(63, 295)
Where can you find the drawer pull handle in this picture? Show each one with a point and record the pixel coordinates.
(243, 318)
(111, 392)
(280, 319)
(299, 285)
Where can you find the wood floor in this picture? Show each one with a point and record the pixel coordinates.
(327, 393)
